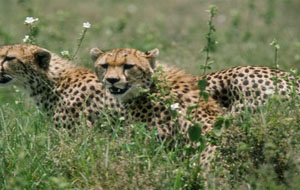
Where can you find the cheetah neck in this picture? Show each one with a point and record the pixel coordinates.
(59, 67)
(38, 87)
(173, 85)
(42, 87)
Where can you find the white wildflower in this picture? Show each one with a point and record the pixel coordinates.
(122, 118)
(26, 39)
(65, 53)
(17, 102)
(175, 106)
(86, 25)
(270, 91)
(30, 20)
(16, 89)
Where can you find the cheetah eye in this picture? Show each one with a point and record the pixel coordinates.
(127, 66)
(104, 66)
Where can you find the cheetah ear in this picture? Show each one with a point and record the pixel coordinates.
(42, 58)
(95, 53)
(151, 56)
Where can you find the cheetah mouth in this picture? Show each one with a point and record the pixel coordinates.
(117, 91)
(5, 79)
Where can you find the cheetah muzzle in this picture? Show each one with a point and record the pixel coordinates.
(118, 91)
(124, 72)
(4, 79)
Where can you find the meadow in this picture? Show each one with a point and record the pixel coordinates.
(260, 151)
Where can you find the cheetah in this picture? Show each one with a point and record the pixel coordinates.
(242, 87)
(66, 92)
(128, 75)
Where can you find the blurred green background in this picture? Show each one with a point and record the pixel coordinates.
(245, 29)
(34, 155)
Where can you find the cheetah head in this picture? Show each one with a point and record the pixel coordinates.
(18, 62)
(124, 72)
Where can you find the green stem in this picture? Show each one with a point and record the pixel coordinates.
(209, 37)
(79, 43)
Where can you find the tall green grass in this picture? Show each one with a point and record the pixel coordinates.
(260, 151)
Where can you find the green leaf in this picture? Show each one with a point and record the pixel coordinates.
(202, 84)
(219, 123)
(218, 132)
(195, 132)
(204, 95)
(227, 123)
(218, 126)
(177, 184)
(202, 144)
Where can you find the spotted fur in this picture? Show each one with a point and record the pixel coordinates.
(67, 93)
(249, 86)
(124, 72)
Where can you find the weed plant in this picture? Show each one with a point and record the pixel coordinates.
(259, 151)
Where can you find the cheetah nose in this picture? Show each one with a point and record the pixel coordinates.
(113, 80)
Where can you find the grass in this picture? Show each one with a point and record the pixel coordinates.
(262, 149)
(34, 155)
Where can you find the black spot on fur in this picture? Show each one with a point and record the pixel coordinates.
(92, 87)
(241, 75)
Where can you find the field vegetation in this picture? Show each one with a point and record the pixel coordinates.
(259, 150)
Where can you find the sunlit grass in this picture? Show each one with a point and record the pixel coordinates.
(35, 155)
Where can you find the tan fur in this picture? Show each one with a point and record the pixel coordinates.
(141, 108)
(67, 93)
(242, 87)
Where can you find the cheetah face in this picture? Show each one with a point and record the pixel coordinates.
(124, 72)
(4, 77)
(19, 61)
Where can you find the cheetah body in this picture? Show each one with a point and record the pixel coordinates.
(64, 91)
(242, 87)
(124, 71)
